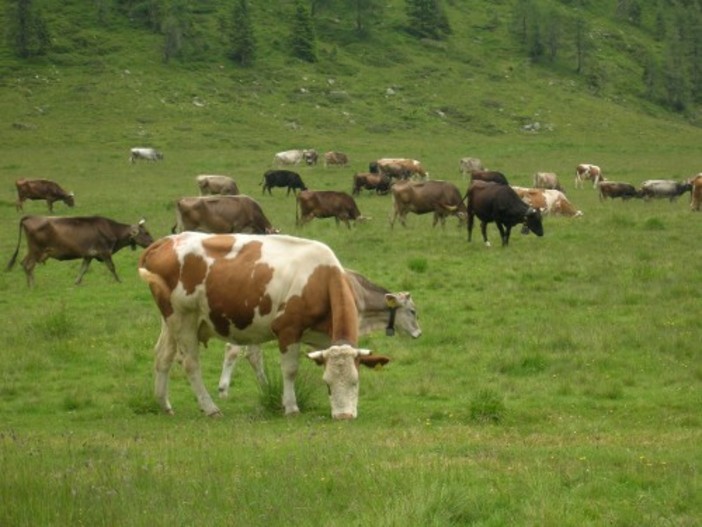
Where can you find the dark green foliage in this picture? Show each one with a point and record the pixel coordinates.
(242, 40)
(303, 41)
(427, 19)
(147, 13)
(27, 32)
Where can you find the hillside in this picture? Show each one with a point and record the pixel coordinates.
(106, 72)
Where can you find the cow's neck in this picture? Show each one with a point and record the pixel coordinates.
(373, 312)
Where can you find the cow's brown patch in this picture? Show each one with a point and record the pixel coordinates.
(193, 272)
(161, 264)
(236, 287)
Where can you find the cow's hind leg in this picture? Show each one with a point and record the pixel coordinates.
(165, 351)
(483, 231)
(28, 265)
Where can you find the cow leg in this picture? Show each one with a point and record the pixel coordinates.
(28, 265)
(483, 231)
(83, 269)
(289, 361)
(232, 353)
(111, 266)
(50, 204)
(188, 347)
(165, 351)
(471, 218)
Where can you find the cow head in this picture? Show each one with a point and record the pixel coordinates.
(138, 235)
(310, 156)
(403, 314)
(70, 199)
(532, 222)
(341, 375)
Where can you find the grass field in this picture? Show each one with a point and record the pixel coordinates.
(557, 381)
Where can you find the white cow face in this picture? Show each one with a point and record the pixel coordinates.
(341, 375)
(405, 317)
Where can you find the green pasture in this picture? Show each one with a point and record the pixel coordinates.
(557, 381)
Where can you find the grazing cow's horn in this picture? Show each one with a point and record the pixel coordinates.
(142, 221)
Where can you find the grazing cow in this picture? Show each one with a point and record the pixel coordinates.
(377, 308)
(696, 199)
(148, 154)
(439, 197)
(366, 180)
(491, 176)
(468, 165)
(295, 157)
(35, 189)
(282, 178)
(399, 168)
(548, 201)
(664, 188)
(71, 238)
(213, 184)
(221, 215)
(585, 171)
(338, 159)
(501, 204)
(249, 289)
(547, 180)
(613, 189)
(326, 204)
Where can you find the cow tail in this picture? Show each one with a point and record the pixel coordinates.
(12, 261)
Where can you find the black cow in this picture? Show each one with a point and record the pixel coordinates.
(282, 178)
(501, 204)
(71, 238)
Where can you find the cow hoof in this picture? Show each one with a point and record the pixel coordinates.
(292, 413)
(216, 414)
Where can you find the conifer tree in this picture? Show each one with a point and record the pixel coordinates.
(427, 19)
(27, 31)
(303, 40)
(241, 35)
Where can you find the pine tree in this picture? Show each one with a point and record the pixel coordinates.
(303, 39)
(427, 19)
(27, 30)
(241, 35)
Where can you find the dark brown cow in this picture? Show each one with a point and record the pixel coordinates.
(72, 238)
(326, 204)
(42, 189)
(366, 180)
(338, 159)
(438, 197)
(210, 184)
(612, 189)
(490, 176)
(221, 214)
(501, 204)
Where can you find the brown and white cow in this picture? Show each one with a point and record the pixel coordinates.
(614, 189)
(249, 289)
(585, 171)
(377, 307)
(399, 168)
(42, 189)
(441, 198)
(548, 201)
(210, 184)
(338, 159)
(73, 238)
(379, 183)
(696, 199)
(467, 165)
(326, 204)
(221, 215)
(547, 180)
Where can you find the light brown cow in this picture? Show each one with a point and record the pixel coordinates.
(467, 165)
(210, 184)
(585, 172)
(399, 168)
(696, 192)
(42, 189)
(548, 201)
(221, 215)
(442, 198)
(547, 180)
(249, 289)
(380, 183)
(326, 204)
(338, 159)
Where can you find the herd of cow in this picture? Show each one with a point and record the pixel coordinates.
(288, 289)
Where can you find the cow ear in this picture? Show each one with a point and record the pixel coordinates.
(374, 361)
(391, 300)
(317, 356)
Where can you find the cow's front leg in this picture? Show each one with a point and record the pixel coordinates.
(483, 231)
(83, 269)
(111, 266)
(289, 361)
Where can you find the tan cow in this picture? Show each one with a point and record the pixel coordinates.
(338, 159)
(399, 168)
(42, 189)
(210, 184)
(696, 192)
(441, 198)
(547, 180)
